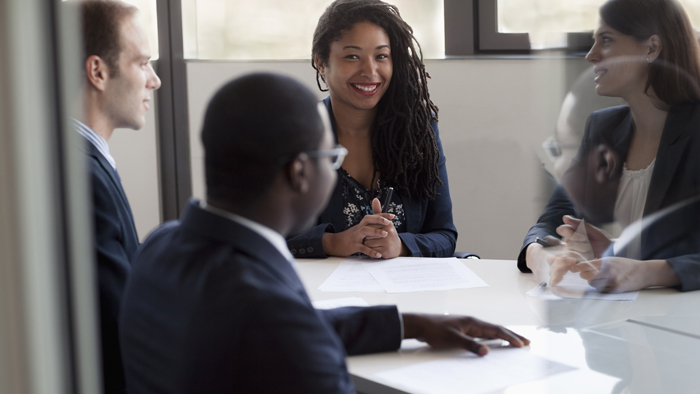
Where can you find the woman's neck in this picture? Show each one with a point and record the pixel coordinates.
(649, 115)
(350, 121)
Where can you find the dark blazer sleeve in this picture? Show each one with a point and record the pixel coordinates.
(366, 329)
(310, 243)
(688, 270)
(558, 206)
(437, 234)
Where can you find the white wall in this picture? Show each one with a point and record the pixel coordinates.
(494, 115)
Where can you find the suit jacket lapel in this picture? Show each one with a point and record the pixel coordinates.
(621, 138)
(673, 142)
(107, 168)
(244, 240)
(91, 150)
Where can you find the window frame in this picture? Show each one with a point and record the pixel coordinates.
(471, 29)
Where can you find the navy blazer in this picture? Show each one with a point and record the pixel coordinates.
(213, 307)
(676, 175)
(430, 229)
(115, 244)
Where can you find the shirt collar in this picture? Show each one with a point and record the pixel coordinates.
(95, 139)
(272, 236)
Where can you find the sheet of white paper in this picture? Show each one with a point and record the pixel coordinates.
(339, 303)
(402, 275)
(573, 286)
(351, 276)
(468, 373)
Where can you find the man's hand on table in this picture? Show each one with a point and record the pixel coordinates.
(443, 332)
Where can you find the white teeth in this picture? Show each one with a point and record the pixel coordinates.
(366, 88)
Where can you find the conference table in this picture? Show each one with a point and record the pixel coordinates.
(579, 345)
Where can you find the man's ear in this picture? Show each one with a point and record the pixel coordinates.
(606, 164)
(297, 172)
(96, 72)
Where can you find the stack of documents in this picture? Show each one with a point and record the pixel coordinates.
(401, 275)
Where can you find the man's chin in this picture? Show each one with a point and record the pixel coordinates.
(135, 124)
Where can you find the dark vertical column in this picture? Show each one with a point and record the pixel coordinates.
(459, 27)
(172, 117)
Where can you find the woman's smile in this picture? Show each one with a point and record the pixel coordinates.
(368, 89)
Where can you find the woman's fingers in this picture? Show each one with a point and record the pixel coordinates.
(375, 220)
(376, 206)
(571, 221)
(374, 233)
(559, 267)
(370, 252)
(566, 232)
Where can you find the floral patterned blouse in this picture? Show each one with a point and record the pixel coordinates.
(357, 202)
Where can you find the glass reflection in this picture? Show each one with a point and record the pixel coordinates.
(635, 169)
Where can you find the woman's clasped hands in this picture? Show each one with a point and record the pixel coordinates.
(583, 247)
(375, 236)
(583, 252)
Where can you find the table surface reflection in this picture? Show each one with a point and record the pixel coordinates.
(650, 345)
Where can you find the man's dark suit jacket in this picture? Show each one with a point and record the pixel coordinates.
(212, 307)
(115, 243)
(676, 175)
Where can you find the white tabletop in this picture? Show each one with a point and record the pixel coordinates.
(650, 345)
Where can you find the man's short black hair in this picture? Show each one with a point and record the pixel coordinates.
(253, 126)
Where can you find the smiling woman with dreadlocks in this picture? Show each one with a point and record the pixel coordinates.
(381, 111)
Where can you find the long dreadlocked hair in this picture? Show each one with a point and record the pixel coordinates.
(404, 148)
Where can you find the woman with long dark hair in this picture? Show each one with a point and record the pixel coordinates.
(645, 52)
(366, 57)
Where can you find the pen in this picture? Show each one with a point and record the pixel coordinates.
(389, 194)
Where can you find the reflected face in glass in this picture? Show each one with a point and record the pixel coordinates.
(619, 63)
(128, 94)
(592, 183)
(359, 67)
(566, 141)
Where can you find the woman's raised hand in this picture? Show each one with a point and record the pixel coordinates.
(596, 239)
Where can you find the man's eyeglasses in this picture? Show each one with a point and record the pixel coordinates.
(553, 148)
(337, 155)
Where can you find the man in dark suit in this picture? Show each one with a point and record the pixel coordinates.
(118, 81)
(214, 304)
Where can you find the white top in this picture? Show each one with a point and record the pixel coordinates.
(96, 140)
(632, 194)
